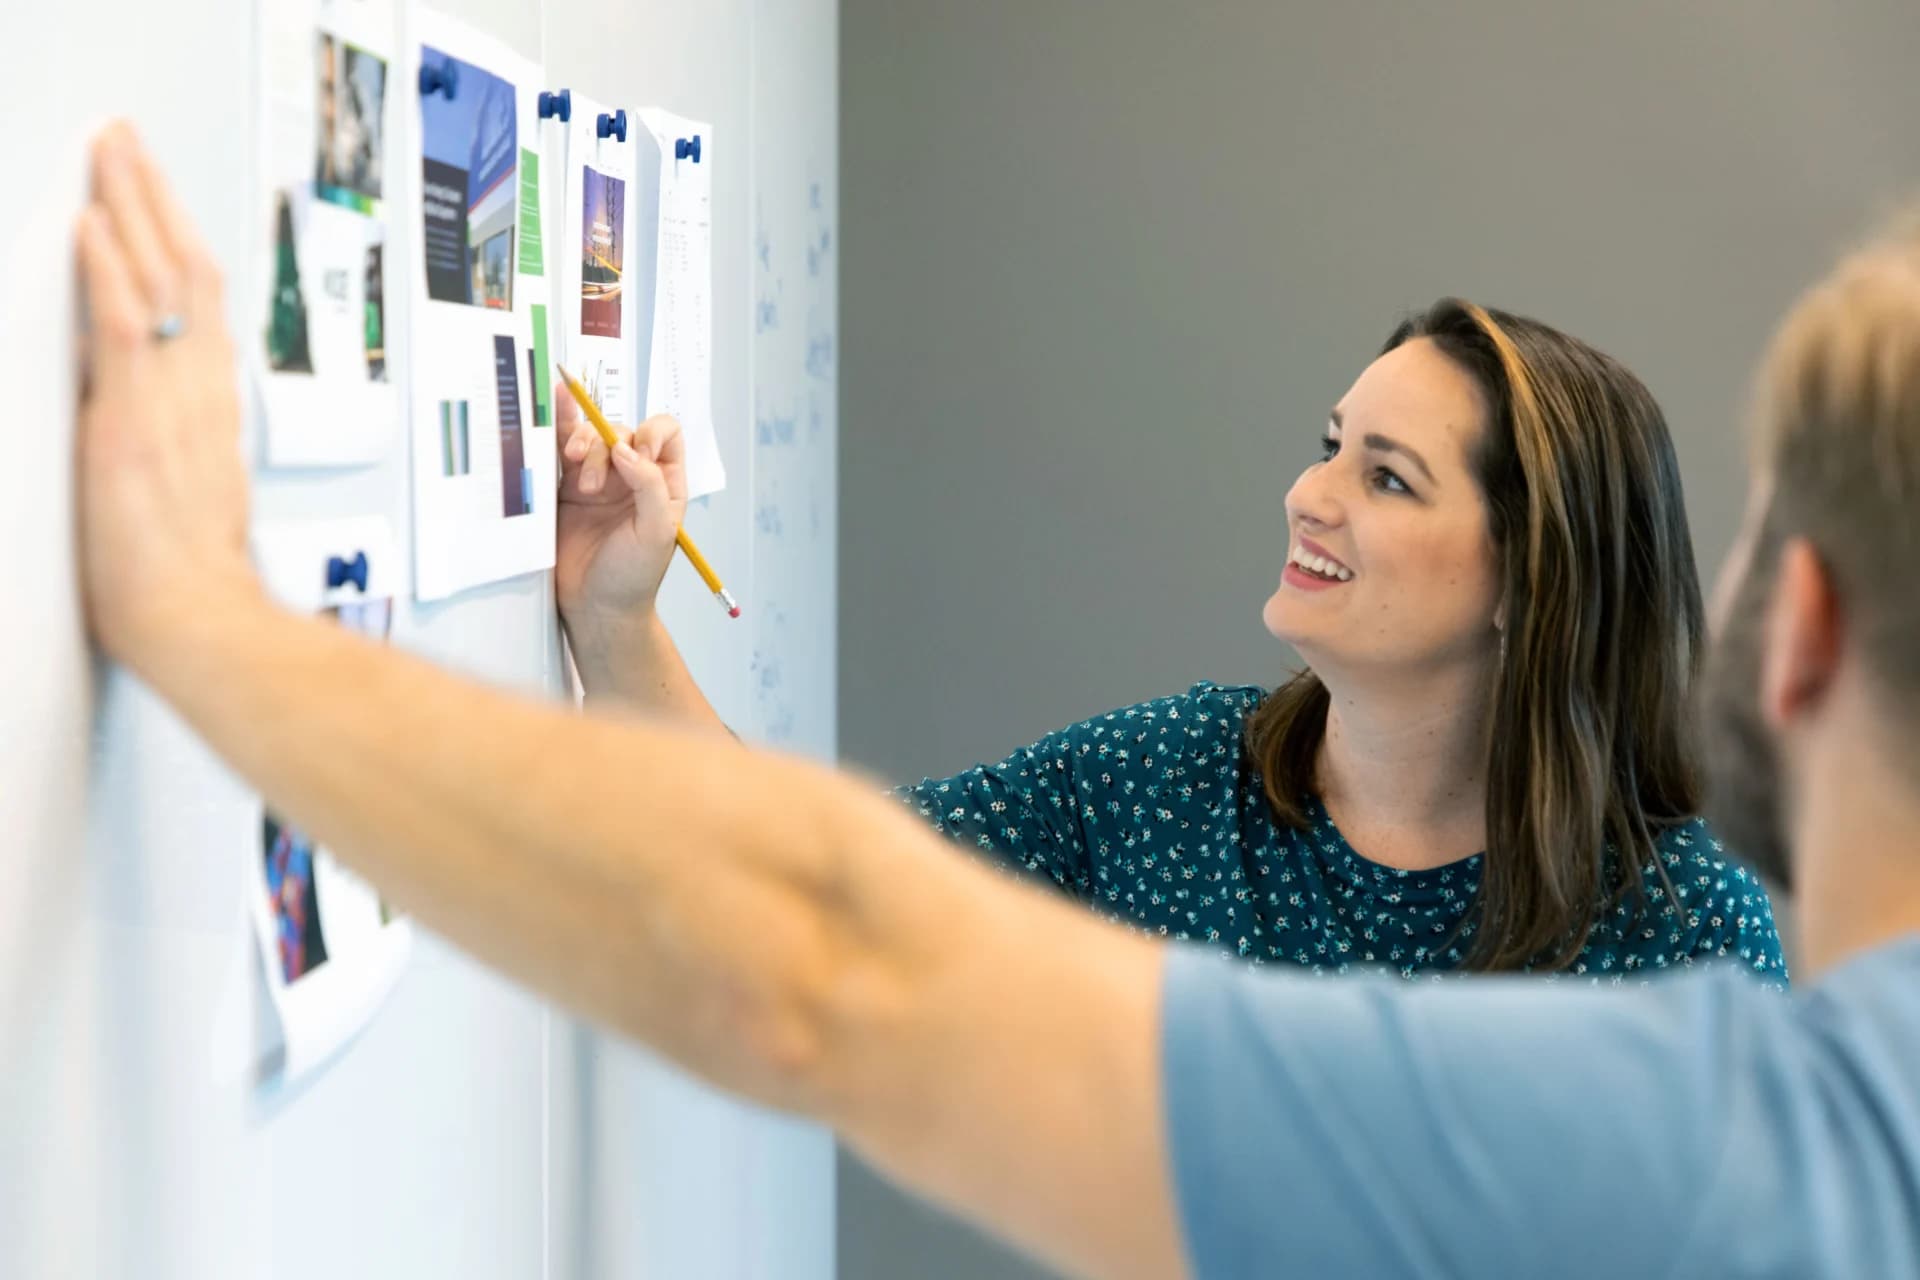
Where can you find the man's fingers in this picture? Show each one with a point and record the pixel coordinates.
(121, 322)
(190, 253)
(119, 187)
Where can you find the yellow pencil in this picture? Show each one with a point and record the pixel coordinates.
(612, 437)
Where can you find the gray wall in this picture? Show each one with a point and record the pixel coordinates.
(1106, 265)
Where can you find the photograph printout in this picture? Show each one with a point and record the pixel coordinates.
(598, 280)
(331, 947)
(325, 123)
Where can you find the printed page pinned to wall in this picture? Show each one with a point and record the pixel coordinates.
(675, 219)
(331, 946)
(326, 392)
(599, 300)
(550, 188)
(484, 464)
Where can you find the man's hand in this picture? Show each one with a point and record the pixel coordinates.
(162, 489)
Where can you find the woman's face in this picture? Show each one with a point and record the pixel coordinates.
(1400, 574)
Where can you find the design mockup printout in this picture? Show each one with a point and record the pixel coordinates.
(484, 464)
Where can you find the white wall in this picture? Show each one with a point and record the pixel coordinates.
(686, 1183)
(470, 1131)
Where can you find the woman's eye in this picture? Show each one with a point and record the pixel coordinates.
(1388, 482)
(1328, 447)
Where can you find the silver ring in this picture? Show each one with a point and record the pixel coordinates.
(169, 326)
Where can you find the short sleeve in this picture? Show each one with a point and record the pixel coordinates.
(1020, 812)
(1477, 1127)
(1126, 784)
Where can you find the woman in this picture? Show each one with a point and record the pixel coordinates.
(1486, 764)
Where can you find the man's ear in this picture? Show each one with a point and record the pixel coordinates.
(1802, 636)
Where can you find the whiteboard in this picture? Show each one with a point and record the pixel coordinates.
(471, 1130)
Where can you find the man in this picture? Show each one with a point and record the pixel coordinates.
(1119, 1107)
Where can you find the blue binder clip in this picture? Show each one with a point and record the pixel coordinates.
(557, 103)
(687, 149)
(341, 571)
(611, 126)
(443, 78)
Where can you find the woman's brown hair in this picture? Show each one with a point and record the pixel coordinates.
(1589, 751)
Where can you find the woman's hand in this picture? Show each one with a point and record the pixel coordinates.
(618, 515)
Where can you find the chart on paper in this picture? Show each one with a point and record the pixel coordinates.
(679, 209)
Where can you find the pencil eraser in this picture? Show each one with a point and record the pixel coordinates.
(734, 612)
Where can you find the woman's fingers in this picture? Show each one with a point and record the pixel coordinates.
(632, 468)
(580, 442)
(593, 470)
(566, 410)
(583, 448)
(660, 439)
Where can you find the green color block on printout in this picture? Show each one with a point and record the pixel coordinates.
(542, 371)
(532, 260)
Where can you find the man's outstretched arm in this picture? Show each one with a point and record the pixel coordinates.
(779, 929)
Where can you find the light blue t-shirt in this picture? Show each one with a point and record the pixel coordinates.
(1705, 1126)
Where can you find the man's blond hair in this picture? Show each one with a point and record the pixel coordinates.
(1837, 436)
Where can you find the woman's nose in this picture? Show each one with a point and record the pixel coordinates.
(1314, 498)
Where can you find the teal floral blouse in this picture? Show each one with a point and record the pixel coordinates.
(1155, 815)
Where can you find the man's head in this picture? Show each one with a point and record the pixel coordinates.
(1818, 615)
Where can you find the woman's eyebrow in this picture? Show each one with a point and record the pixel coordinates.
(1385, 444)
